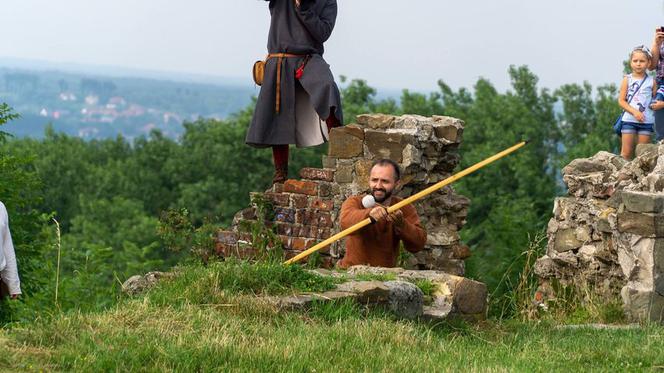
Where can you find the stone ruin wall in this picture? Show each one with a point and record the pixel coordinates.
(306, 210)
(608, 232)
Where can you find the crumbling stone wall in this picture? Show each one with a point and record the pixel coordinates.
(608, 232)
(306, 210)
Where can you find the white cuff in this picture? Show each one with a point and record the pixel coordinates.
(14, 287)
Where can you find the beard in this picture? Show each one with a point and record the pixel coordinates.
(386, 194)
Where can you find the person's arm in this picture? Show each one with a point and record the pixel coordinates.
(656, 43)
(654, 88)
(9, 274)
(409, 230)
(622, 100)
(319, 26)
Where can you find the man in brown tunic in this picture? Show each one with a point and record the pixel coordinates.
(378, 244)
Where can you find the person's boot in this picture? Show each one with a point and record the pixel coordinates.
(280, 159)
(332, 122)
(280, 174)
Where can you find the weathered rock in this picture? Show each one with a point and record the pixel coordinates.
(470, 297)
(366, 291)
(376, 121)
(643, 305)
(386, 145)
(137, 284)
(436, 313)
(636, 201)
(346, 142)
(405, 299)
(570, 239)
(465, 296)
(643, 224)
(545, 267)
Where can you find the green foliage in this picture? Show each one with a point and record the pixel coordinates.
(179, 234)
(375, 277)
(427, 287)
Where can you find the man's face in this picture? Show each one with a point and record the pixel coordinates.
(382, 182)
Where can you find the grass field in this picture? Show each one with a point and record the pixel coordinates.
(209, 319)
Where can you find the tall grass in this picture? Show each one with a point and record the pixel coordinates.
(574, 302)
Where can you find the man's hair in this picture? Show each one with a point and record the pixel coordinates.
(384, 162)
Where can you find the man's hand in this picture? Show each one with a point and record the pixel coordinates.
(378, 213)
(659, 36)
(13, 296)
(397, 219)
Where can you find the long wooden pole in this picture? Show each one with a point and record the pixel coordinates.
(406, 201)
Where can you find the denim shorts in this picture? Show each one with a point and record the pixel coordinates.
(639, 128)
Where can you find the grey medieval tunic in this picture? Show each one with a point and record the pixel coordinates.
(305, 103)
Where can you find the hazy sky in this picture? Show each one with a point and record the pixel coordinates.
(391, 44)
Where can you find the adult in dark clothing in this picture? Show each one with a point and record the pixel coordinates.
(378, 244)
(299, 101)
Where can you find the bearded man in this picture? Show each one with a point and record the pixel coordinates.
(299, 101)
(378, 244)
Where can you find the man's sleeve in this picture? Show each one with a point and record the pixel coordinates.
(319, 26)
(412, 234)
(9, 275)
(352, 212)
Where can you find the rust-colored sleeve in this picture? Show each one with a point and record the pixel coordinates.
(412, 234)
(352, 212)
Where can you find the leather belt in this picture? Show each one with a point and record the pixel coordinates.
(280, 57)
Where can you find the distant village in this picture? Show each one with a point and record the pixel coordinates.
(94, 111)
(97, 107)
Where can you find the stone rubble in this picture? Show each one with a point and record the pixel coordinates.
(608, 232)
(453, 297)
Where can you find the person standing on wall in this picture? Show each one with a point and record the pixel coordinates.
(299, 101)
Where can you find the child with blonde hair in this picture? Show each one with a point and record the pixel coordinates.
(636, 95)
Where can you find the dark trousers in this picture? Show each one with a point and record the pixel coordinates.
(659, 124)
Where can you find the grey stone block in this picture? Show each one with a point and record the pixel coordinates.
(636, 201)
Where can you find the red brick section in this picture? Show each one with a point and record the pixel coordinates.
(299, 201)
(317, 174)
(302, 217)
(301, 187)
(325, 189)
(298, 244)
(278, 199)
(322, 204)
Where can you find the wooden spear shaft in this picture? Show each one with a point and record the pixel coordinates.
(406, 201)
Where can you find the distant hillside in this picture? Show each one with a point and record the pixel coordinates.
(98, 106)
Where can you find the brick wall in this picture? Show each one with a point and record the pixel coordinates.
(305, 211)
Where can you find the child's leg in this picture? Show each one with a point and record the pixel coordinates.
(644, 139)
(627, 145)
